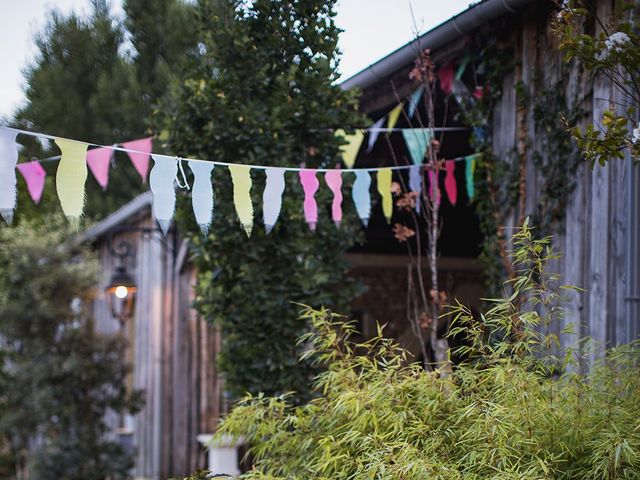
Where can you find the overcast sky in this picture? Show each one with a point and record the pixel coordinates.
(372, 29)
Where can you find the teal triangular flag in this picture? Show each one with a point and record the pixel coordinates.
(413, 101)
(470, 169)
(417, 140)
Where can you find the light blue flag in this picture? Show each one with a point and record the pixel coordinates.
(415, 183)
(272, 197)
(374, 132)
(413, 101)
(202, 194)
(162, 182)
(8, 161)
(417, 141)
(361, 195)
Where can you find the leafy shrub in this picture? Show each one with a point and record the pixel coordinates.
(59, 377)
(511, 411)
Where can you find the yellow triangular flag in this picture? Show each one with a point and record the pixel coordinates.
(71, 177)
(352, 147)
(384, 189)
(394, 115)
(241, 177)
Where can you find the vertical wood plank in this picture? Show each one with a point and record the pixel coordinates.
(599, 273)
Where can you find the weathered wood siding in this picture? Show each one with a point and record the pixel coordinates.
(172, 352)
(594, 239)
(599, 237)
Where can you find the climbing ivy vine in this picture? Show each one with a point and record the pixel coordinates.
(495, 192)
(501, 178)
(557, 157)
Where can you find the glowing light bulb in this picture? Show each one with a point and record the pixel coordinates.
(121, 292)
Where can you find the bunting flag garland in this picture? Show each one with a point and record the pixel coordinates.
(417, 141)
(162, 183)
(272, 197)
(71, 177)
(415, 184)
(241, 178)
(434, 189)
(99, 161)
(414, 99)
(384, 189)
(450, 185)
(202, 194)
(310, 185)
(333, 179)
(140, 155)
(394, 115)
(352, 147)
(34, 176)
(361, 196)
(8, 181)
(76, 159)
(374, 132)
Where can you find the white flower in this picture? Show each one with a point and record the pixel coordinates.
(616, 41)
(636, 135)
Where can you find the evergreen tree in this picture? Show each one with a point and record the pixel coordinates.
(162, 32)
(58, 377)
(81, 87)
(262, 90)
(85, 86)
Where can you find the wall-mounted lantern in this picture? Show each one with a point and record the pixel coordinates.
(121, 293)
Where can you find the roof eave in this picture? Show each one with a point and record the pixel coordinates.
(446, 32)
(117, 218)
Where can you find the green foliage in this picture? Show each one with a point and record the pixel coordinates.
(207, 475)
(80, 87)
(84, 86)
(162, 32)
(613, 54)
(261, 90)
(510, 412)
(554, 154)
(58, 377)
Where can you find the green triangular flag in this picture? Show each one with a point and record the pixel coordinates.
(417, 140)
(470, 161)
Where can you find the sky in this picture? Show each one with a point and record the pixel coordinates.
(372, 29)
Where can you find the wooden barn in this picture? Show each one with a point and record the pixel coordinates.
(594, 214)
(171, 350)
(595, 220)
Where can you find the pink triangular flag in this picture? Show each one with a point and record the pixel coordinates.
(446, 76)
(333, 178)
(34, 175)
(310, 186)
(99, 160)
(450, 185)
(140, 157)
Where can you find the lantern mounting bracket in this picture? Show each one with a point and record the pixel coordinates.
(123, 249)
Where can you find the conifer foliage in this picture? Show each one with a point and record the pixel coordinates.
(97, 78)
(59, 378)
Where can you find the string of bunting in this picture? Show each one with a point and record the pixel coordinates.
(77, 159)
